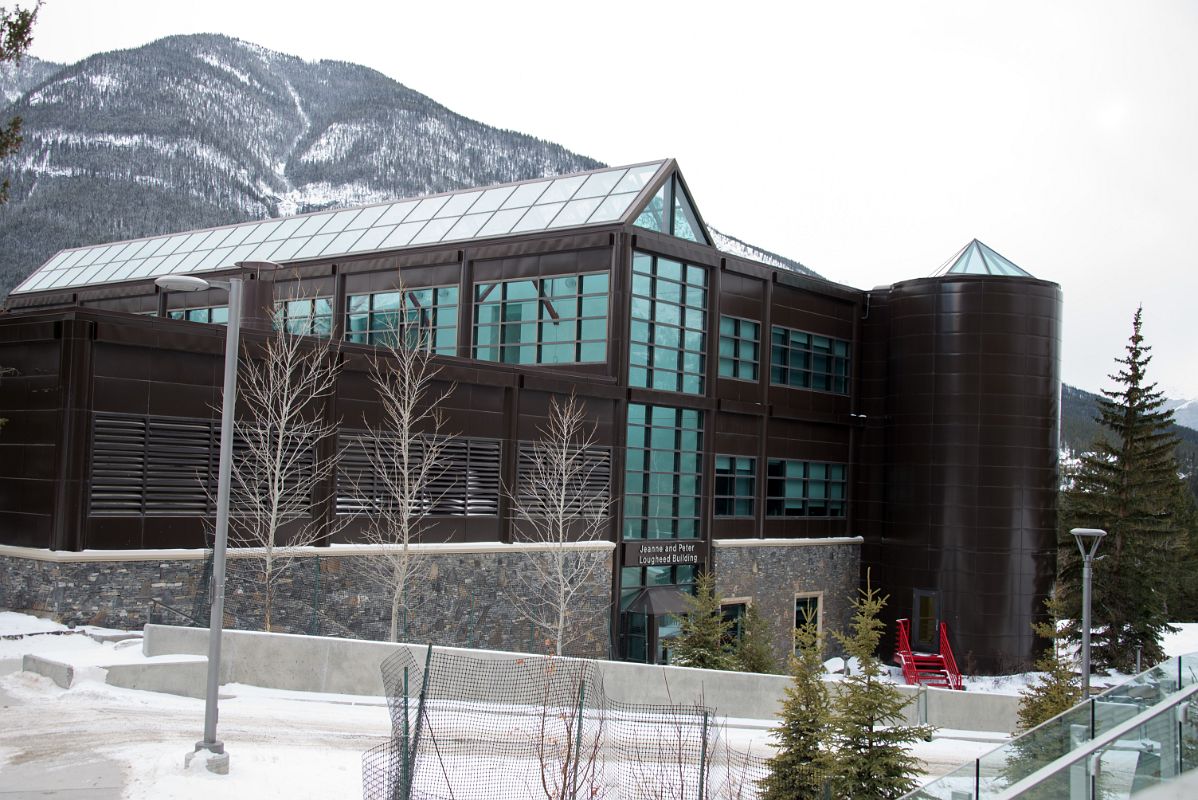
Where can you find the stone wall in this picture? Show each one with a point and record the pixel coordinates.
(771, 572)
(465, 598)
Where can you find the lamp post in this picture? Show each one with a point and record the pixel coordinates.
(218, 759)
(1088, 540)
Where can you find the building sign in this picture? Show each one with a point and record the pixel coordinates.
(665, 552)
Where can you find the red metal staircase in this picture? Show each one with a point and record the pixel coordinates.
(927, 669)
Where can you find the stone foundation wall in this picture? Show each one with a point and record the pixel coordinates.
(465, 598)
(771, 572)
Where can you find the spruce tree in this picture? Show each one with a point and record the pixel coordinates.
(1128, 486)
(1059, 690)
(16, 34)
(872, 760)
(702, 640)
(754, 651)
(801, 761)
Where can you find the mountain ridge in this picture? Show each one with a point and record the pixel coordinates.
(202, 130)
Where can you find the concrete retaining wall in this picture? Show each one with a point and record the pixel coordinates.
(346, 666)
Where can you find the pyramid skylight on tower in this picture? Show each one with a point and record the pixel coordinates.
(976, 258)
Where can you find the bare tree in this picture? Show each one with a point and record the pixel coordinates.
(407, 460)
(278, 480)
(562, 498)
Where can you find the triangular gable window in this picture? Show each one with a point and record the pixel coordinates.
(681, 219)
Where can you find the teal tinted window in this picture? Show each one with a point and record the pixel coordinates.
(739, 345)
(735, 486)
(668, 330)
(309, 316)
(808, 361)
(805, 489)
(670, 211)
(662, 481)
(560, 320)
(216, 315)
(428, 317)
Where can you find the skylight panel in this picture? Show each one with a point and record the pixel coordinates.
(575, 212)
(525, 194)
(428, 206)
(344, 241)
(215, 258)
(263, 252)
(636, 179)
(261, 232)
(238, 234)
(215, 239)
(90, 256)
(91, 272)
(397, 213)
(613, 207)
(171, 264)
(289, 248)
(151, 267)
(58, 259)
(492, 199)
(402, 235)
(312, 224)
(366, 218)
(315, 245)
(188, 246)
(600, 184)
(501, 222)
(537, 218)
(192, 260)
(458, 204)
(340, 221)
(287, 228)
(433, 231)
(371, 239)
(561, 189)
(466, 227)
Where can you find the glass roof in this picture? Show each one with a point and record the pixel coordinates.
(587, 198)
(976, 258)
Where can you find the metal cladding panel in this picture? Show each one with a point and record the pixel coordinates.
(973, 411)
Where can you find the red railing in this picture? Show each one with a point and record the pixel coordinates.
(903, 654)
(950, 663)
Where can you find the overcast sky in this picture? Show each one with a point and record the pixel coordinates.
(869, 140)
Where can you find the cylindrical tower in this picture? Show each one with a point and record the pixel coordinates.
(972, 424)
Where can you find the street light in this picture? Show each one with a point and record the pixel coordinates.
(218, 760)
(1088, 540)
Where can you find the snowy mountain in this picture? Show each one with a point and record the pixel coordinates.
(194, 131)
(1185, 412)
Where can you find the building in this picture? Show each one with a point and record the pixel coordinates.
(787, 432)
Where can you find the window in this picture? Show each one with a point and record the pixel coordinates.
(809, 607)
(305, 317)
(669, 325)
(662, 473)
(808, 361)
(739, 342)
(429, 318)
(804, 489)
(466, 485)
(217, 315)
(735, 486)
(671, 211)
(734, 611)
(561, 320)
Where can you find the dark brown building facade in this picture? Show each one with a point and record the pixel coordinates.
(784, 431)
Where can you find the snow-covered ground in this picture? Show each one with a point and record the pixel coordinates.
(121, 743)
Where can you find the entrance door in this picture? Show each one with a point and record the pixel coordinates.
(926, 633)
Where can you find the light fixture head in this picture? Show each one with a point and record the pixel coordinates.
(1088, 540)
(182, 283)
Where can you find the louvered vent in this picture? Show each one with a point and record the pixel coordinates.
(167, 466)
(150, 466)
(587, 484)
(466, 483)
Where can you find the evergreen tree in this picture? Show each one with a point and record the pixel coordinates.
(872, 761)
(1182, 596)
(702, 640)
(16, 34)
(1127, 486)
(800, 763)
(1059, 690)
(754, 651)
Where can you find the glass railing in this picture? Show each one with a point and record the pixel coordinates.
(1155, 750)
(998, 770)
